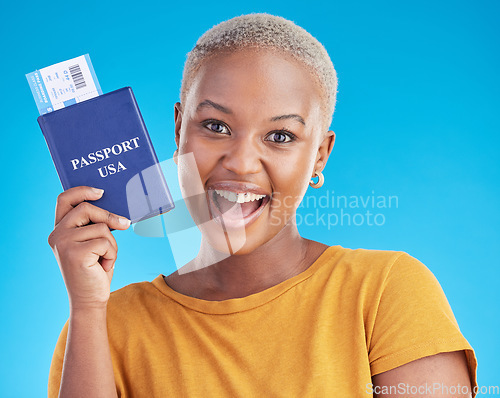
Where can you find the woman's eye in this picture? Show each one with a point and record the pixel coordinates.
(281, 137)
(217, 127)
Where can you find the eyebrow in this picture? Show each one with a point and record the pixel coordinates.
(211, 104)
(291, 116)
(208, 103)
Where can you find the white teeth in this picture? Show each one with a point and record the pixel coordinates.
(240, 197)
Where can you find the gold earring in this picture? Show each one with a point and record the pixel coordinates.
(321, 180)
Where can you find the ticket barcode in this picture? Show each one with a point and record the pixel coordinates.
(77, 76)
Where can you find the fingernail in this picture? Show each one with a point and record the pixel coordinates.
(98, 191)
(124, 221)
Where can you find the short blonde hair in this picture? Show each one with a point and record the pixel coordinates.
(267, 32)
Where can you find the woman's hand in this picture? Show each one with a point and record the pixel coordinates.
(84, 246)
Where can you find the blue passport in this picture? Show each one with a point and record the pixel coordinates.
(103, 143)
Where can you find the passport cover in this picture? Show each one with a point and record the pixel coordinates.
(103, 143)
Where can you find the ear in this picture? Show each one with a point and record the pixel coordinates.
(178, 122)
(324, 150)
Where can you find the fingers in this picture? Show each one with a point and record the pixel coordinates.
(70, 198)
(84, 213)
(84, 246)
(101, 248)
(94, 231)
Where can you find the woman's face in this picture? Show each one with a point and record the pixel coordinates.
(252, 120)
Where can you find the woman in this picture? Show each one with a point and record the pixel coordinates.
(275, 314)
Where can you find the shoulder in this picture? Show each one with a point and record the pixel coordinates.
(133, 300)
(371, 257)
(375, 264)
(129, 293)
(391, 275)
(380, 281)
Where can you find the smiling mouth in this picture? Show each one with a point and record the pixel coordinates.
(237, 210)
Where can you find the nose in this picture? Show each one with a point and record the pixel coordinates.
(242, 157)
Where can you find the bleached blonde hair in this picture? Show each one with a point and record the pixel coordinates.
(265, 31)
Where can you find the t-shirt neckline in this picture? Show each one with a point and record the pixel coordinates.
(244, 303)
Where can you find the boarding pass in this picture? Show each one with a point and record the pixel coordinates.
(64, 84)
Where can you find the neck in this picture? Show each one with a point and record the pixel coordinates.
(287, 254)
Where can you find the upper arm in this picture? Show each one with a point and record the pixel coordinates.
(414, 323)
(437, 376)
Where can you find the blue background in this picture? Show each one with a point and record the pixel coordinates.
(416, 118)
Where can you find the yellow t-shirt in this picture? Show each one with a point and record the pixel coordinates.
(323, 333)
